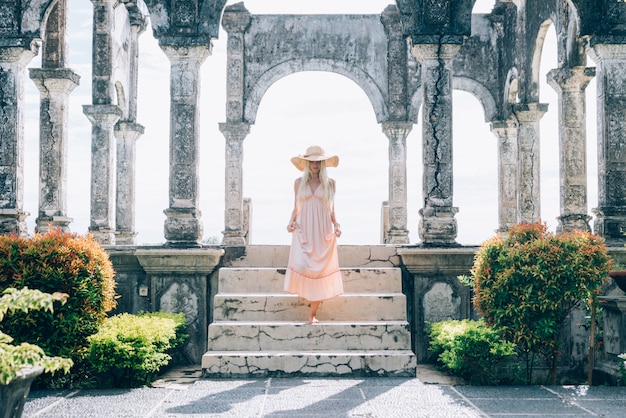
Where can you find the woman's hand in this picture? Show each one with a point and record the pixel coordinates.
(337, 230)
(291, 227)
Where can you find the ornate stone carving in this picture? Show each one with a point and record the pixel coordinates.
(570, 84)
(183, 226)
(438, 225)
(55, 86)
(529, 199)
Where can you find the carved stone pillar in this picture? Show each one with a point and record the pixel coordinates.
(183, 225)
(438, 225)
(234, 231)
(235, 21)
(397, 132)
(55, 86)
(102, 219)
(126, 134)
(13, 61)
(570, 84)
(529, 198)
(506, 133)
(611, 212)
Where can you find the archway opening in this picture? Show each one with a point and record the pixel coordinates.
(316, 108)
(475, 162)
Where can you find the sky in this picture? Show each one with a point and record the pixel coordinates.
(303, 109)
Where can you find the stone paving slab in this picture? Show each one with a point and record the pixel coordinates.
(328, 397)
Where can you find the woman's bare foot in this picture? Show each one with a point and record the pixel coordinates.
(313, 312)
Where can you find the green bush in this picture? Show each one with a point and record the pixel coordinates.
(469, 349)
(14, 358)
(58, 262)
(131, 349)
(528, 283)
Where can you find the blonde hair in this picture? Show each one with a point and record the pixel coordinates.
(326, 183)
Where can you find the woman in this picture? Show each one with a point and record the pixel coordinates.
(313, 268)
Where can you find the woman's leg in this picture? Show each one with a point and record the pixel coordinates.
(313, 312)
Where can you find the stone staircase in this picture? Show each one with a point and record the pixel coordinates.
(259, 330)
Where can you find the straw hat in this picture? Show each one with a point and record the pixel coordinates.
(314, 153)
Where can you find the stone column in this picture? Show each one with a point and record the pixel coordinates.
(611, 93)
(529, 198)
(397, 132)
(126, 134)
(13, 61)
(183, 225)
(55, 86)
(235, 133)
(570, 84)
(102, 218)
(438, 225)
(506, 133)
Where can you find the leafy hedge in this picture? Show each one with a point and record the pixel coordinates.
(131, 349)
(469, 349)
(58, 262)
(528, 283)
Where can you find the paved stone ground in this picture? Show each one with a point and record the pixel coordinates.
(182, 393)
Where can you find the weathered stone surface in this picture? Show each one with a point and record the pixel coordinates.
(312, 363)
(363, 331)
(55, 86)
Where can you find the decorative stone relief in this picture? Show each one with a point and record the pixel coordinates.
(440, 304)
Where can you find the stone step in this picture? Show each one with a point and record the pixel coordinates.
(287, 307)
(278, 255)
(389, 363)
(298, 336)
(271, 280)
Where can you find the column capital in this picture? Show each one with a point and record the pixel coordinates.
(236, 18)
(573, 79)
(503, 128)
(235, 130)
(128, 130)
(54, 80)
(431, 52)
(607, 52)
(529, 112)
(397, 128)
(21, 54)
(102, 114)
(187, 53)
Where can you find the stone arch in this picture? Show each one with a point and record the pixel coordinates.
(415, 104)
(120, 97)
(35, 15)
(511, 87)
(361, 78)
(479, 91)
(536, 55)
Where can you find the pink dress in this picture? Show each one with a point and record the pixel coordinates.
(313, 268)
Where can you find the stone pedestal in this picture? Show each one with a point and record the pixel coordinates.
(570, 84)
(397, 132)
(55, 86)
(183, 225)
(179, 283)
(438, 225)
(529, 197)
(13, 61)
(506, 133)
(102, 219)
(610, 219)
(127, 135)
